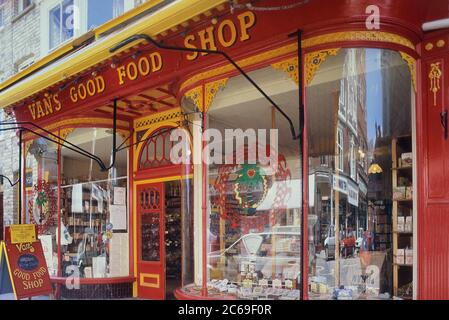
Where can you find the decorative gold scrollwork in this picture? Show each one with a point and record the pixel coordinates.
(314, 60)
(196, 95)
(212, 89)
(434, 77)
(412, 66)
(290, 67)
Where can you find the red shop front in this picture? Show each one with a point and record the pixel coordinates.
(349, 104)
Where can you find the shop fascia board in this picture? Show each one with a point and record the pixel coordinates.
(166, 18)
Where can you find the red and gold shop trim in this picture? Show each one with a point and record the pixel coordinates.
(266, 47)
(202, 87)
(285, 58)
(144, 127)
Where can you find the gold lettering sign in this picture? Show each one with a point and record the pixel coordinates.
(139, 67)
(44, 107)
(226, 33)
(87, 89)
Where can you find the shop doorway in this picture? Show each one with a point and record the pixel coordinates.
(173, 240)
(159, 240)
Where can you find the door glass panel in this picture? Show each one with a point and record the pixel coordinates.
(150, 237)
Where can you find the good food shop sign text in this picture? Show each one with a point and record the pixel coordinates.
(224, 34)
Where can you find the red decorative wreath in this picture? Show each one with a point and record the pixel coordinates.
(42, 206)
(224, 189)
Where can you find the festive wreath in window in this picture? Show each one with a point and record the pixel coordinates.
(42, 206)
(240, 190)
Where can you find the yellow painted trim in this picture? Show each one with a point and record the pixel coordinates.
(412, 66)
(164, 19)
(9, 270)
(146, 122)
(156, 276)
(163, 179)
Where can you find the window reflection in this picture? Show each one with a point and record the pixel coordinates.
(359, 107)
(255, 209)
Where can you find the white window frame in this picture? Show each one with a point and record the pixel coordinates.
(339, 163)
(21, 7)
(25, 64)
(352, 161)
(80, 21)
(342, 100)
(46, 7)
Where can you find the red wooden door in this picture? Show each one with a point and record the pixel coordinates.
(150, 244)
(433, 223)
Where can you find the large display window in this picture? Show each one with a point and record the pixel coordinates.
(94, 212)
(361, 197)
(254, 207)
(94, 223)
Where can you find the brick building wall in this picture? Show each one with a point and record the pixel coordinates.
(19, 47)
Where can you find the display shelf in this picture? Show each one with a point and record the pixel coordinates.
(402, 178)
(403, 265)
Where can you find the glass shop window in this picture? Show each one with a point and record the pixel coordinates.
(61, 23)
(94, 212)
(360, 215)
(99, 12)
(254, 205)
(41, 195)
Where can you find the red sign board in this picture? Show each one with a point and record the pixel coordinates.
(27, 268)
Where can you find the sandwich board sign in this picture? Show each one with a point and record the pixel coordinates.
(23, 270)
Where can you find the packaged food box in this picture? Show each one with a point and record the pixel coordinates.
(409, 224)
(407, 159)
(409, 193)
(399, 193)
(401, 224)
(400, 256)
(409, 256)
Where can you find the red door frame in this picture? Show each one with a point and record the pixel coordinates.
(151, 274)
(433, 218)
